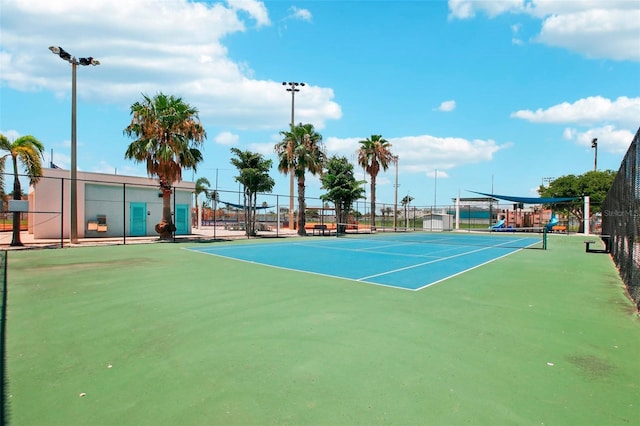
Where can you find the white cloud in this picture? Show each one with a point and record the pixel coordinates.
(438, 174)
(143, 48)
(266, 149)
(594, 28)
(425, 153)
(609, 138)
(11, 135)
(601, 118)
(447, 106)
(226, 138)
(300, 14)
(465, 9)
(592, 110)
(255, 9)
(103, 167)
(597, 33)
(515, 29)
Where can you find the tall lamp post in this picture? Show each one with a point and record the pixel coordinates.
(66, 56)
(594, 145)
(293, 88)
(547, 180)
(395, 196)
(435, 191)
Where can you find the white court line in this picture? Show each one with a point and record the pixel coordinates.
(363, 279)
(369, 249)
(462, 272)
(302, 271)
(393, 271)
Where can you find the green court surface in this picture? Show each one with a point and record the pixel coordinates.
(157, 335)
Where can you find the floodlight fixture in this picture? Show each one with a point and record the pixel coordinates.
(88, 61)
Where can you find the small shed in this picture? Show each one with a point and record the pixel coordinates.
(107, 205)
(437, 222)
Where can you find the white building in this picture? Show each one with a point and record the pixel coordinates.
(108, 205)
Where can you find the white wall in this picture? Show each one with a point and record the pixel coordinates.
(98, 194)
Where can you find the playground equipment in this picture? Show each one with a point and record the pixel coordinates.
(553, 221)
(498, 225)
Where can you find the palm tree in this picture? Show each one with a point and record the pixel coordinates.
(374, 154)
(254, 178)
(301, 150)
(202, 187)
(168, 133)
(28, 151)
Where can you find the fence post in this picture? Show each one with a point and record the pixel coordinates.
(62, 213)
(124, 213)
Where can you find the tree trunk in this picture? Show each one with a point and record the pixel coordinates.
(198, 214)
(247, 211)
(166, 227)
(340, 227)
(373, 201)
(254, 212)
(17, 195)
(301, 207)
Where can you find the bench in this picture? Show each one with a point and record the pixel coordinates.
(320, 229)
(234, 226)
(263, 227)
(606, 239)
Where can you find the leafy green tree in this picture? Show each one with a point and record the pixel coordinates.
(342, 188)
(595, 184)
(168, 134)
(26, 150)
(406, 200)
(254, 177)
(301, 150)
(374, 155)
(202, 187)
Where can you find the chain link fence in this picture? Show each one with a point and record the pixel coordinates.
(621, 219)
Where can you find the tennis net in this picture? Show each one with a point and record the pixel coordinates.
(519, 238)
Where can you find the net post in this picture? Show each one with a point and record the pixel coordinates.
(544, 238)
(4, 411)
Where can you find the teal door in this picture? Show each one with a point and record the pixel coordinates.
(138, 219)
(182, 219)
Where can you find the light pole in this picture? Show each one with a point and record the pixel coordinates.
(395, 196)
(547, 180)
(594, 145)
(66, 56)
(435, 191)
(293, 88)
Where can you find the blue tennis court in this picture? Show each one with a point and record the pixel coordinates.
(404, 261)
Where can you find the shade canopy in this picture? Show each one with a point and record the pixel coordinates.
(240, 206)
(529, 200)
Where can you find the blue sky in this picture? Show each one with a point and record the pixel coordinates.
(471, 94)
